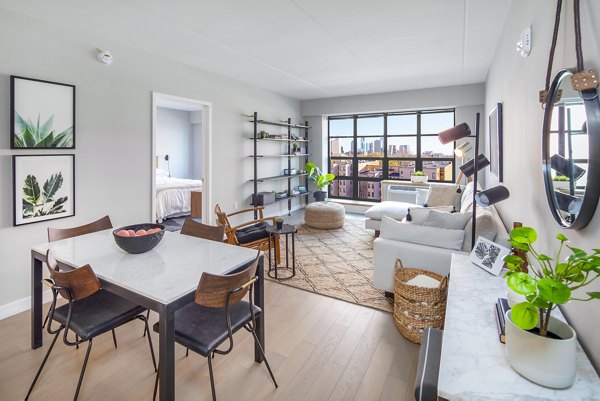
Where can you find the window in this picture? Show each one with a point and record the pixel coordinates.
(568, 137)
(365, 149)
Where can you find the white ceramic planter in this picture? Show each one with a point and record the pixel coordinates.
(542, 360)
(514, 297)
(564, 185)
(418, 178)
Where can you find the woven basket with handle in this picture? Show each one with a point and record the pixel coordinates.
(416, 308)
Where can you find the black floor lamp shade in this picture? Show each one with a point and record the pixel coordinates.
(564, 167)
(454, 134)
(568, 203)
(492, 195)
(468, 168)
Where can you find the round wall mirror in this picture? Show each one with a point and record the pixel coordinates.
(571, 152)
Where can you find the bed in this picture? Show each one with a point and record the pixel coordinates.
(173, 195)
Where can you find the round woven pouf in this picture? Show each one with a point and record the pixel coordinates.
(324, 215)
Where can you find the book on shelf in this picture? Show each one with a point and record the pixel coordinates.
(499, 324)
(503, 305)
(500, 308)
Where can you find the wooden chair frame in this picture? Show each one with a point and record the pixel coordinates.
(195, 229)
(55, 234)
(230, 230)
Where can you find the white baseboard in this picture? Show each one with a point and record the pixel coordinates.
(21, 305)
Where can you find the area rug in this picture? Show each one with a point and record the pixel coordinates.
(337, 263)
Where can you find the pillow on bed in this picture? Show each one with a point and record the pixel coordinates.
(160, 171)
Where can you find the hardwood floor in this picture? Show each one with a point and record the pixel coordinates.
(320, 348)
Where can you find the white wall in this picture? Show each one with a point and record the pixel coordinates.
(173, 138)
(466, 99)
(515, 81)
(113, 156)
(196, 145)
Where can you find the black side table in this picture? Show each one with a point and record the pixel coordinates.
(274, 232)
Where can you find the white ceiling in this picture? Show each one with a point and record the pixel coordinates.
(301, 48)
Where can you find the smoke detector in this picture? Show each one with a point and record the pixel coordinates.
(104, 56)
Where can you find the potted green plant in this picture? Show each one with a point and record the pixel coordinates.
(278, 222)
(296, 149)
(560, 182)
(418, 176)
(539, 346)
(319, 179)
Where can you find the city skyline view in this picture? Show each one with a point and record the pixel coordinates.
(365, 149)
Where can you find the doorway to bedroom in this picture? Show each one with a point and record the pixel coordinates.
(180, 160)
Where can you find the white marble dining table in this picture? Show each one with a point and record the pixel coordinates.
(473, 365)
(163, 280)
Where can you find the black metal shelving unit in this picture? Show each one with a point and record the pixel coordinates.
(302, 140)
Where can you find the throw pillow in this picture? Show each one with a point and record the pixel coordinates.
(440, 195)
(486, 227)
(395, 210)
(419, 214)
(421, 235)
(453, 221)
(421, 196)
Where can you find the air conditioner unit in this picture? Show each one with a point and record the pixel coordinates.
(401, 193)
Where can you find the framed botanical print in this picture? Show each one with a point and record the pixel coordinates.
(43, 188)
(488, 255)
(496, 141)
(42, 114)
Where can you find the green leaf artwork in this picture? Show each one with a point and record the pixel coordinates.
(30, 135)
(36, 203)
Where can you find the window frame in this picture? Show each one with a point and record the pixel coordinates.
(385, 159)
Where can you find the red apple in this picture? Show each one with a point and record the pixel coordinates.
(131, 233)
(123, 233)
(139, 233)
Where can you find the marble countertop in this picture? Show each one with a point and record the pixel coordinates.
(473, 365)
(165, 273)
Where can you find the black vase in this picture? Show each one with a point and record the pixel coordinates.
(320, 195)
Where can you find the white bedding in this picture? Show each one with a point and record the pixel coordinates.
(173, 196)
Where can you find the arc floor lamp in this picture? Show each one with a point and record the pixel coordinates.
(471, 168)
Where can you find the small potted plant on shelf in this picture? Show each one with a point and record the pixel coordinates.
(279, 222)
(560, 182)
(321, 181)
(296, 149)
(538, 345)
(418, 176)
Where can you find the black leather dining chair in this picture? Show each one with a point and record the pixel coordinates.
(218, 311)
(57, 234)
(90, 311)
